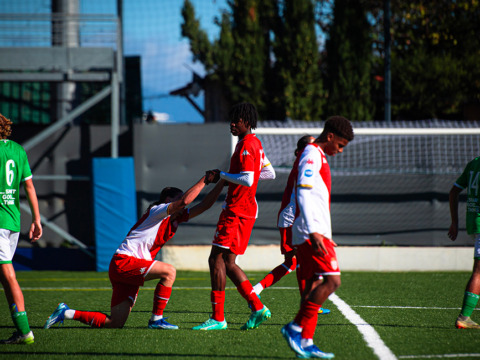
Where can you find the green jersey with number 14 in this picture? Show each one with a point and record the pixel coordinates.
(470, 180)
(14, 169)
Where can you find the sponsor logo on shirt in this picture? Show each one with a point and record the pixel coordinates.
(308, 173)
(310, 161)
(245, 153)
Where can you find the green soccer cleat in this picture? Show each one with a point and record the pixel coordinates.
(18, 338)
(211, 324)
(256, 318)
(464, 322)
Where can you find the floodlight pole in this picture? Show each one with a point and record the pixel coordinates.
(388, 77)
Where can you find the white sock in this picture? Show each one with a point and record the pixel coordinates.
(306, 342)
(258, 288)
(69, 314)
(156, 317)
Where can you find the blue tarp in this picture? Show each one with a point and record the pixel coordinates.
(115, 205)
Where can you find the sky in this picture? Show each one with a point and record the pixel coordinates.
(151, 30)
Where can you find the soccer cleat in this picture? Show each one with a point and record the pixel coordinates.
(57, 316)
(256, 318)
(161, 324)
(464, 322)
(294, 340)
(211, 324)
(314, 352)
(323, 311)
(18, 338)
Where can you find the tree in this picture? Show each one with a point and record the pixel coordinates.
(266, 54)
(435, 51)
(298, 62)
(349, 62)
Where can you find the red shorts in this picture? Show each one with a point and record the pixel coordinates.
(285, 240)
(233, 232)
(312, 265)
(127, 274)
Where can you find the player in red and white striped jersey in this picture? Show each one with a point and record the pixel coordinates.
(134, 261)
(312, 234)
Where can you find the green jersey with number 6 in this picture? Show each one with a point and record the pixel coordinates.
(14, 169)
(470, 180)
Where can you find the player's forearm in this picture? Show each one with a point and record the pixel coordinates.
(245, 178)
(32, 200)
(208, 201)
(192, 193)
(453, 198)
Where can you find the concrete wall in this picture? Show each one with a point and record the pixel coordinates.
(358, 258)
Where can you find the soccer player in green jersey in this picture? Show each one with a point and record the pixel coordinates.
(14, 169)
(470, 180)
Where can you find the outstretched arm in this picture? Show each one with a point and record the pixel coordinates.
(36, 230)
(187, 197)
(207, 202)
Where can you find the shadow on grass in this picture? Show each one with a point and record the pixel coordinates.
(123, 355)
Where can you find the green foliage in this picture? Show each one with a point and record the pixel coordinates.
(349, 59)
(265, 54)
(435, 51)
(298, 57)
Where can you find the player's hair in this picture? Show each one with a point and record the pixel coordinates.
(245, 111)
(302, 142)
(5, 127)
(340, 126)
(169, 191)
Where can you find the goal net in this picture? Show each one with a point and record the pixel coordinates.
(390, 185)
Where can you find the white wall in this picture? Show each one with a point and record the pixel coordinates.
(265, 258)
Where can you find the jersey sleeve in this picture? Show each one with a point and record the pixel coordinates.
(159, 212)
(309, 165)
(462, 181)
(247, 156)
(26, 171)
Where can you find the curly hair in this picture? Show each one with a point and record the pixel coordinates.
(245, 111)
(340, 126)
(5, 127)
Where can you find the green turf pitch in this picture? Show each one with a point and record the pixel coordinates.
(413, 314)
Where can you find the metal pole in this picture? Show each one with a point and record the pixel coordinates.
(115, 114)
(388, 78)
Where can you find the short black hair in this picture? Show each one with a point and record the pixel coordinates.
(302, 142)
(245, 111)
(168, 192)
(339, 126)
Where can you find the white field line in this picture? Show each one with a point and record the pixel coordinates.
(441, 356)
(371, 337)
(365, 329)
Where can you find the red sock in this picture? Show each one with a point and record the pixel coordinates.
(91, 318)
(277, 273)
(246, 290)
(307, 318)
(301, 283)
(160, 298)
(218, 305)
